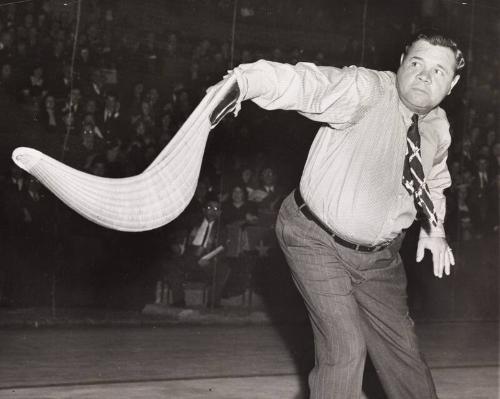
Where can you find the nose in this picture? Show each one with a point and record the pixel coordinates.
(424, 76)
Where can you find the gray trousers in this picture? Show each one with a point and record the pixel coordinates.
(356, 303)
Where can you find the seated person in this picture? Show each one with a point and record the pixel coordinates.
(195, 263)
(268, 197)
(238, 211)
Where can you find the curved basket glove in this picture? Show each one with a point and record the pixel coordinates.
(145, 201)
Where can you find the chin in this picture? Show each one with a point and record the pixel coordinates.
(419, 106)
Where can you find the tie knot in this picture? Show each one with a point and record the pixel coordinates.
(414, 118)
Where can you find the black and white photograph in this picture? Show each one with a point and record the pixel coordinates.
(249, 199)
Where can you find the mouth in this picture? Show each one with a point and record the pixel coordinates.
(419, 89)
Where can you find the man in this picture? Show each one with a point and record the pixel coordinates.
(268, 197)
(478, 196)
(196, 260)
(378, 159)
(110, 120)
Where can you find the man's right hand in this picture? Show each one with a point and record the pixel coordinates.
(204, 262)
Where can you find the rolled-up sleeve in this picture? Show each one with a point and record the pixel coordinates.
(337, 96)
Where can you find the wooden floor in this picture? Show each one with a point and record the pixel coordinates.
(215, 361)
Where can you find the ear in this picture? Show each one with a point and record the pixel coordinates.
(402, 58)
(453, 83)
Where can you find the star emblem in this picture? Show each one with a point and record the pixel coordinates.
(262, 249)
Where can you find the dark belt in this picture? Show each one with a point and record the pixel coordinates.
(311, 216)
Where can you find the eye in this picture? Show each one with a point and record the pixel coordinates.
(414, 63)
(438, 72)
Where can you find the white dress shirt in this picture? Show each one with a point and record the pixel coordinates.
(352, 179)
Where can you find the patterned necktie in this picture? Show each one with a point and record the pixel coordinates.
(413, 174)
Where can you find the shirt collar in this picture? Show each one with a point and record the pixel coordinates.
(406, 113)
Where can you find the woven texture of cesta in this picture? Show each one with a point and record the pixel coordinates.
(142, 202)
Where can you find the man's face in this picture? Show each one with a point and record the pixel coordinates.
(50, 102)
(212, 210)
(496, 150)
(6, 70)
(76, 95)
(91, 106)
(110, 102)
(268, 177)
(426, 76)
(238, 194)
(482, 165)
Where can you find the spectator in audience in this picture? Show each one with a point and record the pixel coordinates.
(464, 213)
(140, 132)
(111, 121)
(269, 198)
(182, 106)
(98, 166)
(60, 86)
(89, 126)
(166, 131)
(195, 263)
(477, 194)
(54, 62)
(150, 54)
(484, 151)
(8, 80)
(91, 108)
(135, 101)
(85, 64)
(73, 105)
(144, 116)
(81, 155)
(115, 158)
(24, 63)
(466, 153)
(36, 87)
(495, 159)
(49, 115)
(153, 97)
(237, 210)
(194, 211)
(94, 89)
(7, 53)
(247, 181)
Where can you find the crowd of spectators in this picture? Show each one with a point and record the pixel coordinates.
(129, 91)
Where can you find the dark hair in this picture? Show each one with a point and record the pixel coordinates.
(438, 39)
(211, 199)
(242, 188)
(112, 94)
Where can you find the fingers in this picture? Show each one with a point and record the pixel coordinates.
(443, 258)
(439, 262)
(447, 261)
(436, 261)
(420, 252)
(451, 256)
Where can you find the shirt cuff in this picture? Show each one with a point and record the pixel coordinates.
(249, 81)
(437, 231)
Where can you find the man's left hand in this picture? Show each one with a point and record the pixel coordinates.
(442, 256)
